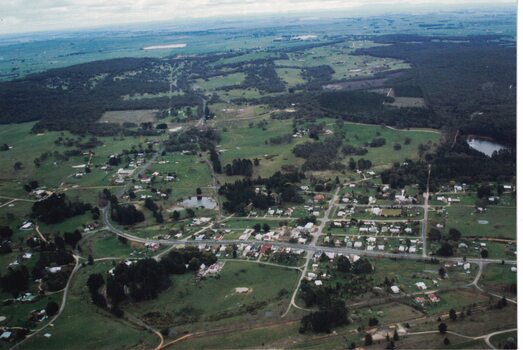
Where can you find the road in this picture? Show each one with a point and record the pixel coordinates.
(62, 304)
(425, 223)
(305, 247)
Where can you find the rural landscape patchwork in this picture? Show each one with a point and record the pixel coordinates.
(297, 182)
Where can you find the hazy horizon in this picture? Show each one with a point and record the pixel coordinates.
(25, 16)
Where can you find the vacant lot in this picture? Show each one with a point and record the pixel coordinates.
(409, 102)
(131, 116)
(494, 222)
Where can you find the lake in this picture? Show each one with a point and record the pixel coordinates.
(487, 147)
(194, 202)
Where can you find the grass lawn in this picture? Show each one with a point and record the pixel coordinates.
(501, 222)
(105, 244)
(408, 272)
(498, 275)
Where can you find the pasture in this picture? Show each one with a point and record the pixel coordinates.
(130, 116)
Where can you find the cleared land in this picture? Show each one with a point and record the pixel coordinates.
(130, 116)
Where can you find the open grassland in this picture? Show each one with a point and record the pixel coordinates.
(105, 244)
(498, 275)
(501, 222)
(52, 172)
(340, 59)
(84, 326)
(131, 116)
(291, 76)
(220, 81)
(360, 134)
(215, 299)
(191, 172)
(243, 141)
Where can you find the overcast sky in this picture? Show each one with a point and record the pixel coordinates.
(37, 15)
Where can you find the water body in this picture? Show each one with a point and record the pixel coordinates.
(194, 202)
(487, 147)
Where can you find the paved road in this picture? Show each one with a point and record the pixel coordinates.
(305, 247)
(425, 223)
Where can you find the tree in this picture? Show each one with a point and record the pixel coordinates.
(445, 250)
(5, 233)
(15, 281)
(266, 227)
(454, 234)
(175, 215)
(442, 273)
(452, 315)
(368, 339)
(396, 336)
(190, 213)
(51, 308)
(434, 234)
(373, 321)
(94, 282)
(257, 227)
(194, 264)
(484, 253)
(90, 260)
(442, 328)
(199, 192)
(343, 264)
(446, 341)
(17, 166)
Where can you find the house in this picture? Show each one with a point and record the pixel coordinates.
(395, 289)
(265, 248)
(302, 240)
(311, 276)
(308, 226)
(358, 244)
(318, 283)
(26, 225)
(421, 300)
(421, 285)
(433, 298)
(54, 269)
(319, 198)
(412, 249)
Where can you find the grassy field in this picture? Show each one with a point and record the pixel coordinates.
(291, 76)
(242, 141)
(498, 275)
(340, 59)
(359, 134)
(221, 81)
(501, 222)
(191, 172)
(51, 172)
(407, 272)
(105, 244)
(214, 299)
(132, 116)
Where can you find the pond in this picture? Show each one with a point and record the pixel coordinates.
(487, 147)
(195, 202)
